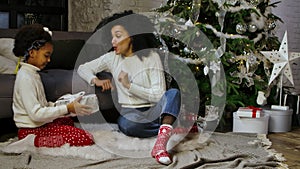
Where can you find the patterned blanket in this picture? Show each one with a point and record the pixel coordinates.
(115, 150)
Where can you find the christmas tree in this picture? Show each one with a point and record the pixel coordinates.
(237, 30)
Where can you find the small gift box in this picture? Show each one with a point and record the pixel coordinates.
(250, 111)
(90, 100)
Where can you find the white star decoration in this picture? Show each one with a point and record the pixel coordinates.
(281, 60)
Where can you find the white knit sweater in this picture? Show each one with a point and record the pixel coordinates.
(30, 107)
(146, 77)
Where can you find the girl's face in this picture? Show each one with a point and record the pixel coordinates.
(40, 58)
(121, 41)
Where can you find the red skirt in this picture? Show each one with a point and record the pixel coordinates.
(58, 133)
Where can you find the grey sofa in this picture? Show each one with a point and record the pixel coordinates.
(58, 77)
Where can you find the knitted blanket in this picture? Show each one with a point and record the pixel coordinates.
(115, 150)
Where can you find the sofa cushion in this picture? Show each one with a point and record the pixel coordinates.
(6, 93)
(7, 66)
(63, 57)
(6, 46)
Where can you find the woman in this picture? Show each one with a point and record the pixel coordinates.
(146, 107)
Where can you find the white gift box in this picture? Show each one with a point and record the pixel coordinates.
(251, 125)
(249, 112)
(90, 100)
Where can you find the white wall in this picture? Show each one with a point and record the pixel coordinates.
(84, 15)
(288, 11)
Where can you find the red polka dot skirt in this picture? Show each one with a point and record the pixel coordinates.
(58, 133)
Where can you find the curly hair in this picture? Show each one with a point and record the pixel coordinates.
(26, 37)
(139, 27)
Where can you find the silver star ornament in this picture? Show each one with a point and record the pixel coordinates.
(281, 60)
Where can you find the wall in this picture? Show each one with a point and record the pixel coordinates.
(84, 15)
(288, 11)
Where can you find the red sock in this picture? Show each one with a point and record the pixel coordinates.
(159, 150)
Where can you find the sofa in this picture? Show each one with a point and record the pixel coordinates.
(60, 76)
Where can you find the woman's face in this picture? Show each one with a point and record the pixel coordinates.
(41, 57)
(121, 41)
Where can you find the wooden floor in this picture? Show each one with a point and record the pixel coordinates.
(289, 145)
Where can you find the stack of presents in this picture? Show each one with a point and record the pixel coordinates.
(262, 121)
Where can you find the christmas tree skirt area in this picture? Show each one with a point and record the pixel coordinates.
(115, 150)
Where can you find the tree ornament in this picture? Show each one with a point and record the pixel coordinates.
(241, 28)
(261, 98)
(206, 70)
(186, 50)
(195, 12)
(251, 62)
(281, 60)
(270, 24)
(252, 28)
(243, 74)
(176, 31)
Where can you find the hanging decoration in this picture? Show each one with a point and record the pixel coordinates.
(252, 28)
(195, 11)
(281, 60)
(243, 74)
(241, 28)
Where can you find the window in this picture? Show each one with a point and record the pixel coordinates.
(51, 13)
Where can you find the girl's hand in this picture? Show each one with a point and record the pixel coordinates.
(78, 109)
(104, 84)
(123, 78)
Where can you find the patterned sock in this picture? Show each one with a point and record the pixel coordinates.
(159, 151)
(184, 130)
(194, 129)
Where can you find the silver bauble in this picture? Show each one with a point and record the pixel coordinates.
(252, 28)
(241, 28)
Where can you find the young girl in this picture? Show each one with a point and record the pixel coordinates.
(33, 114)
(147, 109)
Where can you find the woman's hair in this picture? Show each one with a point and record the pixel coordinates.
(30, 37)
(140, 28)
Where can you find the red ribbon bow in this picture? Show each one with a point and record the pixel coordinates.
(254, 110)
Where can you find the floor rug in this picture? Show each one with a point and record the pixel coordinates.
(115, 150)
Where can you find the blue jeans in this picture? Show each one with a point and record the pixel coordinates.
(145, 122)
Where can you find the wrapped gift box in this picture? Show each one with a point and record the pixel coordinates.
(89, 99)
(251, 112)
(251, 125)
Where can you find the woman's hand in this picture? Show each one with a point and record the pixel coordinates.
(104, 84)
(123, 78)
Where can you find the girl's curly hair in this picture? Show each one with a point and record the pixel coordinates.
(27, 35)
